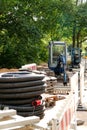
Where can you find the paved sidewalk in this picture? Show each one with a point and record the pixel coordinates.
(82, 115)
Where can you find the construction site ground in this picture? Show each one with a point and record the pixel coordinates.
(81, 115)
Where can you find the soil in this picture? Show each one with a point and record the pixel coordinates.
(8, 70)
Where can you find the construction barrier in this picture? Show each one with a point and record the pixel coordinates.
(63, 115)
(74, 87)
(32, 66)
(9, 120)
(68, 114)
(81, 84)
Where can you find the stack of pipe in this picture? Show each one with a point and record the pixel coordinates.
(22, 91)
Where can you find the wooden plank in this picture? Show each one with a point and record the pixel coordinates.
(17, 122)
(9, 112)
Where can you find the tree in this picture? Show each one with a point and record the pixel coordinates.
(19, 35)
(26, 27)
(79, 24)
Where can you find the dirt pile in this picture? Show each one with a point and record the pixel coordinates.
(7, 70)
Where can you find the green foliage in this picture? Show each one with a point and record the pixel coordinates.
(26, 27)
(19, 37)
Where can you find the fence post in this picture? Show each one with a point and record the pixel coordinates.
(74, 87)
(74, 90)
(81, 106)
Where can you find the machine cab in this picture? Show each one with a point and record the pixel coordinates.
(56, 48)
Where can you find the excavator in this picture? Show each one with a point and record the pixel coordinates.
(58, 59)
(75, 53)
(76, 57)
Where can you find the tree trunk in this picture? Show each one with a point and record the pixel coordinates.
(78, 38)
(74, 36)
